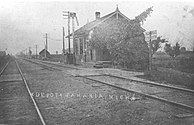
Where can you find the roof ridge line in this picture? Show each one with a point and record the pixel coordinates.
(110, 16)
(97, 23)
(123, 15)
(103, 20)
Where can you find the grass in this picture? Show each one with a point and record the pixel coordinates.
(179, 71)
(3, 61)
(183, 62)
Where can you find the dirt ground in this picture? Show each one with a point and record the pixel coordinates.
(66, 100)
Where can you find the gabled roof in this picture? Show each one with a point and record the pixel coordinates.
(43, 51)
(87, 27)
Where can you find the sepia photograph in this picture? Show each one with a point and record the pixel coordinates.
(107, 62)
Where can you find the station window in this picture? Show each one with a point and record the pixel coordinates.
(81, 46)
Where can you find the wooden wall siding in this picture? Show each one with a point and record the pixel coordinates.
(83, 39)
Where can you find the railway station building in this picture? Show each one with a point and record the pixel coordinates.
(82, 36)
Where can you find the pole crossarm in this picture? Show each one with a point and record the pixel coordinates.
(71, 15)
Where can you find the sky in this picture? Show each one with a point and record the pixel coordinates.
(23, 24)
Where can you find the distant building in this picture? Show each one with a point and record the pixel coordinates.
(183, 49)
(42, 54)
(2, 53)
(82, 36)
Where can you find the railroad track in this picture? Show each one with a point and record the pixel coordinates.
(20, 97)
(176, 96)
(4, 68)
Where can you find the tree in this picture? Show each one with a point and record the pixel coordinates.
(182, 49)
(192, 44)
(174, 51)
(30, 52)
(142, 17)
(156, 44)
(125, 41)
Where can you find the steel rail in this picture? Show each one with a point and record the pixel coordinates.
(29, 92)
(153, 83)
(47, 67)
(58, 65)
(145, 82)
(4, 68)
(180, 105)
(190, 108)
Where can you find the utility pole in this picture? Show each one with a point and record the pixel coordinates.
(71, 15)
(73, 28)
(36, 51)
(69, 32)
(26, 51)
(29, 50)
(46, 46)
(67, 14)
(46, 42)
(63, 41)
(150, 35)
(150, 52)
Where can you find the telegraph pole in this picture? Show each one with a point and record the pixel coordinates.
(68, 27)
(73, 16)
(36, 51)
(63, 41)
(69, 32)
(73, 28)
(26, 51)
(151, 35)
(46, 42)
(46, 46)
(29, 50)
(150, 52)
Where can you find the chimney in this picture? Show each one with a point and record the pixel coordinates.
(97, 15)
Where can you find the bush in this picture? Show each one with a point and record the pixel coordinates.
(173, 76)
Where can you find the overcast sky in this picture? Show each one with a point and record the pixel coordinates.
(24, 24)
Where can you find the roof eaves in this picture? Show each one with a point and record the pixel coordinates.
(108, 16)
(111, 14)
(123, 15)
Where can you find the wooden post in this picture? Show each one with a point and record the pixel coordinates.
(150, 53)
(36, 51)
(46, 46)
(69, 32)
(63, 41)
(73, 28)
